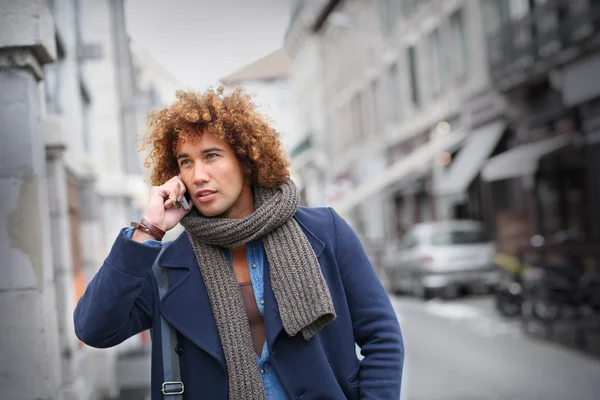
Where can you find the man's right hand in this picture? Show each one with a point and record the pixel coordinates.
(161, 211)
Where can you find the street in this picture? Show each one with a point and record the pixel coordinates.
(463, 350)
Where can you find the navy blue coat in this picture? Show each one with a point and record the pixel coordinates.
(121, 301)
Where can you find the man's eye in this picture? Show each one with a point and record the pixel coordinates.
(184, 162)
(211, 156)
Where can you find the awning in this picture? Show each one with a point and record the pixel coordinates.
(523, 160)
(416, 163)
(478, 147)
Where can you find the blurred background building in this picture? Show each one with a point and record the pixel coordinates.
(268, 81)
(451, 109)
(95, 93)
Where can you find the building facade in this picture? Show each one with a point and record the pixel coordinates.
(406, 84)
(541, 57)
(459, 109)
(73, 97)
(268, 81)
(310, 159)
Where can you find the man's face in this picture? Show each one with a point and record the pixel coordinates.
(214, 177)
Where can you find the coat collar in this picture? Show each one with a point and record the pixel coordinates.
(188, 309)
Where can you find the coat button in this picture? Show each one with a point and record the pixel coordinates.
(262, 302)
(178, 348)
(253, 266)
(263, 371)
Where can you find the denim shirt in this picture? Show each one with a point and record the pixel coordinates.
(255, 255)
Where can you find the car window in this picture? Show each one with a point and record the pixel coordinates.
(459, 237)
(410, 241)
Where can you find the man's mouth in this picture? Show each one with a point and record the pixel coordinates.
(205, 194)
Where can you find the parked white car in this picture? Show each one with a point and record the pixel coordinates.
(441, 257)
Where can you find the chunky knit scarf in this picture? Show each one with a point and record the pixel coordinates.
(302, 295)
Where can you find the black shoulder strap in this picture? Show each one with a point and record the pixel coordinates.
(172, 387)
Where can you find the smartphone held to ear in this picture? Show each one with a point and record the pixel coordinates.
(185, 202)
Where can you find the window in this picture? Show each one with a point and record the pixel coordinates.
(53, 80)
(409, 241)
(366, 112)
(457, 237)
(408, 7)
(412, 67)
(436, 66)
(522, 34)
(335, 133)
(347, 124)
(459, 44)
(340, 137)
(518, 9)
(376, 111)
(394, 100)
(86, 120)
(388, 12)
(385, 19)
(357, 117)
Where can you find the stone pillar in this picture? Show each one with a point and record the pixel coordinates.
(29, 350)
(72, 382)
(90, 229)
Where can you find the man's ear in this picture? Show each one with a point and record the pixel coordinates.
(249, 176)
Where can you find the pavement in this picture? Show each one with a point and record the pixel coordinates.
(463, 350)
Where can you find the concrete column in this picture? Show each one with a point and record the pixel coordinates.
(91, 239)
(101, 364)
(72, 379)
(29, 348)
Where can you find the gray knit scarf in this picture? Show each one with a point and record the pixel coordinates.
(302, 295)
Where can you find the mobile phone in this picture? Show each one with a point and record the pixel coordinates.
(185, 201)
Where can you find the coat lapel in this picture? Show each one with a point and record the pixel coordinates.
(273, 324)
(186, 305)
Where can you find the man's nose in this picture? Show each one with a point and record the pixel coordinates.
(201, 174)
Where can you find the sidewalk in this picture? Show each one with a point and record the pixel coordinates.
(586, 339)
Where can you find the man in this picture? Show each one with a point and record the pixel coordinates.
(268, 299)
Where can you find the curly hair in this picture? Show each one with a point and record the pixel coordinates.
(231, 117)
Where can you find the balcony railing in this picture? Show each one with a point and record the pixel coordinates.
(537, 41)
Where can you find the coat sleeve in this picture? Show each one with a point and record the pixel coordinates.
(376, 327)
(119, 300)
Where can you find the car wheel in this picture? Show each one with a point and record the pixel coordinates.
(506, 306)
(451, 292)
(421, 291)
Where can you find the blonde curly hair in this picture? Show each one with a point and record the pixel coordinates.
(231, 117)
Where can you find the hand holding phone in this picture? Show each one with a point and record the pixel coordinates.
(168, 204)
(184, 200)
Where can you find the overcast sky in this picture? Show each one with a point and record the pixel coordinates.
(200, 41)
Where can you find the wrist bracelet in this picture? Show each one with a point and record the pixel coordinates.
(149, 229)
(142, 228)
(155, 231)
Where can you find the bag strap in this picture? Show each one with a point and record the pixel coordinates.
(172, 386)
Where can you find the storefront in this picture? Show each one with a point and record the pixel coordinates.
(407, 177)
(537, 188)
(582, 92)
(458, 188)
